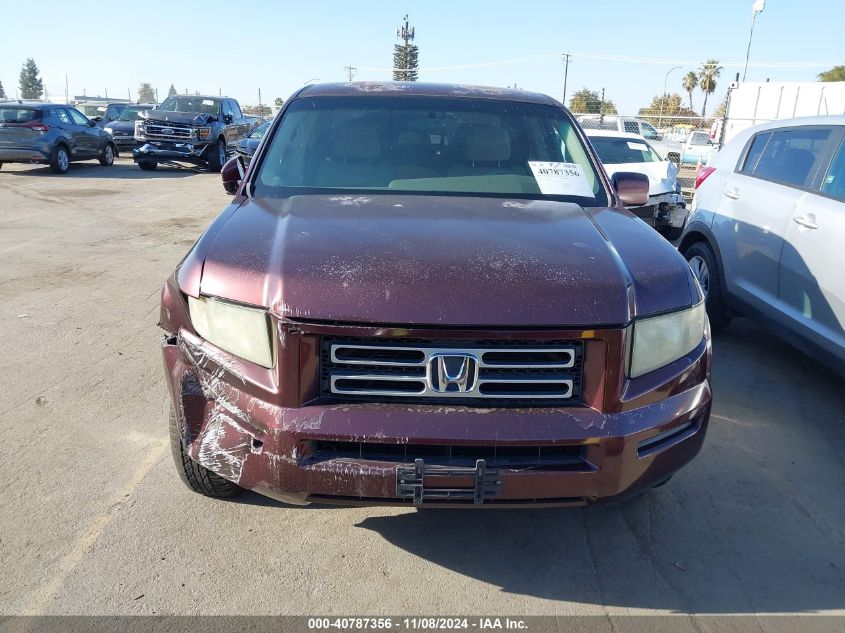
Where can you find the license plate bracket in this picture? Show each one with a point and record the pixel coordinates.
(418, 482)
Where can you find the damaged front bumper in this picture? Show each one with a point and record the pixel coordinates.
(165, 151)
(263, 430)
(664, 210)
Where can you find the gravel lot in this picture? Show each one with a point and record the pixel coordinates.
(95, 521)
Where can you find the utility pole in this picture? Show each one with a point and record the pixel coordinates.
(566, 57)
(350, 70)
(758, 7)
(67, 96)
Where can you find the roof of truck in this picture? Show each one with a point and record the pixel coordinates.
(422, 89)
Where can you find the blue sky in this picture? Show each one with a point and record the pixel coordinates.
(241, 46)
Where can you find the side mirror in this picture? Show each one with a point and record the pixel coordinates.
(632, 188)
(227, 118)
(232, 174)
(93, 122)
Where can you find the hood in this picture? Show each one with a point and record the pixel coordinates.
(460, 261)
(121, 126)
(662, 175)
(188, 118)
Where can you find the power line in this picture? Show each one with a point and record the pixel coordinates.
(611, 58)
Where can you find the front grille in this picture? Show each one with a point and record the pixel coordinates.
(482, 373)
(546, 457)
(164, 131)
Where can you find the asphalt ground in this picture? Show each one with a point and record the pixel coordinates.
(95, 521)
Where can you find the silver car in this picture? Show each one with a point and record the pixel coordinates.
(766, 232)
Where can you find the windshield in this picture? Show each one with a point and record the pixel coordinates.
(16, 114)
(613, 150)
(131, 113)
(92, 110)
(260, 131)
(428, 145)
(200, 105)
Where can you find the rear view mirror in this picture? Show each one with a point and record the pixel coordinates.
(232, 174)
(632, 188)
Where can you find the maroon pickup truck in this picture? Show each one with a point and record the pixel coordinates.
(432, 295)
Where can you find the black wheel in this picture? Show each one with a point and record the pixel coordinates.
(107, 155)
(60, 160)
(198, 478)
(671, 233)
(147, 165)
(217, 156)
(662, 483)
(705, 267)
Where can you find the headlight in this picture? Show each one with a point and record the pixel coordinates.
(660, 340)
(109, 130)
(242, 331)
(203, 132)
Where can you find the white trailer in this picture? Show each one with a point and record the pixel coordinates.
(760, 102)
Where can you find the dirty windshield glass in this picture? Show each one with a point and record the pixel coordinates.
(131, 113)
(613, 150)
(199, 105)
(428, 145)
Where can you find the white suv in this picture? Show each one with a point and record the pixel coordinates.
(766, 232)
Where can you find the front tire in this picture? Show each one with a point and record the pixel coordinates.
(107, 155)
(671, 233)
(60, 160)
(147, 165)
(217, 156)
(704, 265)
(197, 477)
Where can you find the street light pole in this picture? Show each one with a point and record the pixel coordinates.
(663, 100)
(566, 57)
(758, 7)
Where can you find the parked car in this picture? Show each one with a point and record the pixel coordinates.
(52, 134)
(432, 294)
(766, 231)
(246, 146)
(666, 149)
(101, 112)
(189, 129)
(123, 128)
(622, 152)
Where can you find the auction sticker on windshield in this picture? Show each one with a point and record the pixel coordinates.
(561, 179)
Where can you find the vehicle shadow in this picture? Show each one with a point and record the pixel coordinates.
(754, 524)
(90, 170)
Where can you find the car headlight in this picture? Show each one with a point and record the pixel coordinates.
(658, 341)
(239, 330)
(109, 130)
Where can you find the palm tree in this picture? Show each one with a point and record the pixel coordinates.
(707, 75)
(690, 83)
